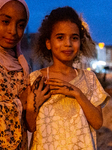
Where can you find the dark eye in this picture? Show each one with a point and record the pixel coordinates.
(60, 37)
(74, 37)
(21, 25)
(6, 22)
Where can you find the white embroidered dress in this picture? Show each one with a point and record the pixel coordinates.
(61, 123)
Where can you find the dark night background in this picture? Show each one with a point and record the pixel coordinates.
(97, 13)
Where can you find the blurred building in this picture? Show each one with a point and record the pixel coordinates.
(27, 46)
(103, 62)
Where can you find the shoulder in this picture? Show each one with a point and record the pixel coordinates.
(34, 75)
(88, 75)
(86, 72)
(44, 71)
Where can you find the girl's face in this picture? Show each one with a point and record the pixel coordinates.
(13, 19)
(64, 42)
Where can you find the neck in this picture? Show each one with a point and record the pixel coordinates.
(7, 51)
(62, 68)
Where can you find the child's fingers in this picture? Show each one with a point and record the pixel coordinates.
(40, 88)
(55, 92)
(41, 84)
(44, 99)
(46, 89)
(55, 82)
(65, 89)
(47, 95)
(36, 83)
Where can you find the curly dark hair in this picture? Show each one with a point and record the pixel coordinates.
(66, 13)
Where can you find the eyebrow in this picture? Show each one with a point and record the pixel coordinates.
(63, 34)
(10, 17)
(5, 15)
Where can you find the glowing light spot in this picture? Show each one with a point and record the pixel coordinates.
(101, 45)
(89, 69)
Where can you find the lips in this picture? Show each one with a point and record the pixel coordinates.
(67, 52)
(10, 41)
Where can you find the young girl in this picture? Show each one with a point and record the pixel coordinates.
(68, 119)
(14, 70)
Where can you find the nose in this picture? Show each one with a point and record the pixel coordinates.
(12, 29)
(68, 42)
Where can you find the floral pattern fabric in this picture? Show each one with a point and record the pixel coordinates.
(13, 134)
(61, 123)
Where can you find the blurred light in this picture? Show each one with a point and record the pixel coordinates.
(89, 69)
(94, 66)
(101, 45)
(102, 63)
(98, 66)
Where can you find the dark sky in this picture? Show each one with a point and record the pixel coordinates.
(97, 13)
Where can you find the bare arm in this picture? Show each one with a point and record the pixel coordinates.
(92, 113)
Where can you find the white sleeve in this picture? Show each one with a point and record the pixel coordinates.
(34, 75)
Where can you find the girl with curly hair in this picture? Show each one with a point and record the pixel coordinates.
(68, 111)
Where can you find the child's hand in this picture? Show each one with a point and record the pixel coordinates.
(23, 97)
(38, 94)
(58, 86)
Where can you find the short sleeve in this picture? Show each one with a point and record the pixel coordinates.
(99, 97)
(34, 75)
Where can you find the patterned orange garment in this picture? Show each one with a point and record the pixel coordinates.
(13, 133)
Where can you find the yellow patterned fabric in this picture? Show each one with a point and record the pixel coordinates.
(61, 123)
(13, 132)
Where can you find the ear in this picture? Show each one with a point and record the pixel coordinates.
(48, 44)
